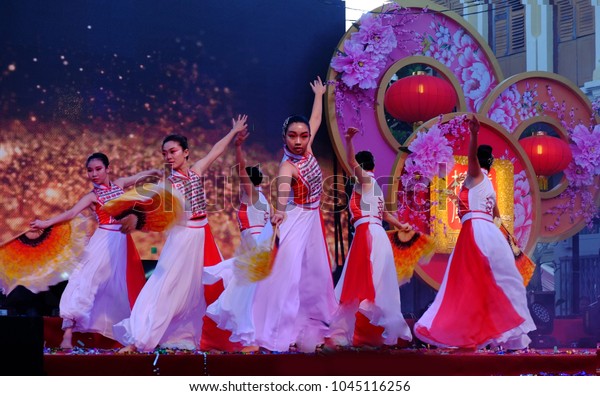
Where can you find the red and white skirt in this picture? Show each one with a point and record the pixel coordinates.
(482, 299)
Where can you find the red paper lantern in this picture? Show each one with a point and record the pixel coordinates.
(548, 155)
(419, 98)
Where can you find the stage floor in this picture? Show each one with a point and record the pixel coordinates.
(352, 362)
(96, 355)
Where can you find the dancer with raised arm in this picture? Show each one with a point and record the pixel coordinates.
(233, 309)
(482, 300)
(370, 313)
(170, 308)
(294, 305)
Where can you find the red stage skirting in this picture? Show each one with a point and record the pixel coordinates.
(347, 363)
(96, 358)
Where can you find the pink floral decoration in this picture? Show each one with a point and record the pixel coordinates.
(440, 47)
(353, 98)
(586, 149)
(583, 169)
(475, 77)
(377, 39)
(365, 57)
(458, 51)
(357, 66)
(529, 107)
(429, 150)
(505, 108)
(365, 53)
(523, 203)
(579, 175)
(431, 153)
(558, 108)
(512, 107)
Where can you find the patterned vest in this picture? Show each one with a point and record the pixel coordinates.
(308, 186)
(103, 195)
(192, 189)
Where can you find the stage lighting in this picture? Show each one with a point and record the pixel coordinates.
(541, 307)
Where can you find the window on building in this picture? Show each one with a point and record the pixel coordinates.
(452, 5)
(508, 27)
(574, 40)
(573, 19)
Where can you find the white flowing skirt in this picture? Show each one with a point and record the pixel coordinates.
(466, 320)
(96, 295)
(233, 310)
(169, 309)
(296, 302)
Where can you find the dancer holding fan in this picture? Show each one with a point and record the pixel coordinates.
(104, 286)
(170, 309)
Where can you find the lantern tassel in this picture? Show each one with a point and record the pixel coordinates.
(542, 182)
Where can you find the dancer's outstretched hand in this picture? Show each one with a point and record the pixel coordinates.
(474, 124)
(239, 124)
(351, 132)
(39, 224)
(318, 87)
(241, 137)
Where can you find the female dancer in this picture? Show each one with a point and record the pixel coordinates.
(482, 299)
(233, 309)
(368, 287)
(255, 210)
(170, 307)
(294, 305)
(104, 286)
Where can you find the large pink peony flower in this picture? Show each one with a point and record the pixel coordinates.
(586, 156)
(586, 147)
(378, 39)
(477, 79)
(505, 108)
(473, 71)
(579, 174)
(462, 41)
(430, 150)
(357, 66)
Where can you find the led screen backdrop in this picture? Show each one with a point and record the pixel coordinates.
(117, 76)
